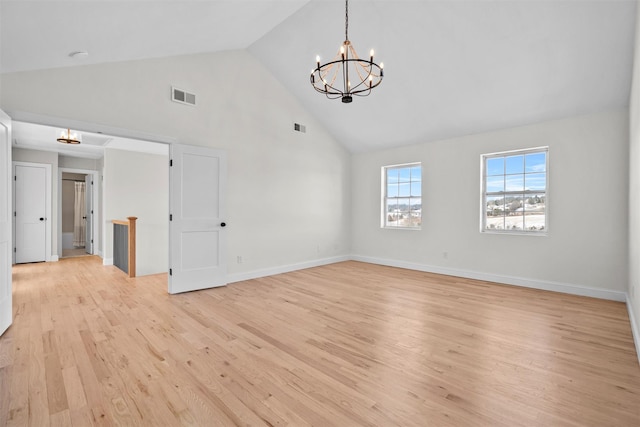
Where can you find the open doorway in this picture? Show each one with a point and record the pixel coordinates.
(130, 171)
(77, 206)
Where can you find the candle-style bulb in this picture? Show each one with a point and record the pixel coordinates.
(371, 53)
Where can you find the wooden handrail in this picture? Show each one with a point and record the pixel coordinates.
(130, 223)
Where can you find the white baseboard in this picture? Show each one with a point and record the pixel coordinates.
(489, 277)
(255, 274)
(107, 261)
(634, 327)
(54, 258)
(509, 280)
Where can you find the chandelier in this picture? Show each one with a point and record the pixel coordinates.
(68, 137)
(346, 75)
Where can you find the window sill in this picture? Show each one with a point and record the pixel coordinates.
(516, 233)
(402, 228)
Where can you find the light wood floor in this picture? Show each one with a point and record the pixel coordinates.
(68, 253)
(348, 344)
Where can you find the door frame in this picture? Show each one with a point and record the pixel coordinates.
(48, 218)
(6, 244)
(96, 206)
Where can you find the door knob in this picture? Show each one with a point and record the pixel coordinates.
(41, 219)
(223, 224)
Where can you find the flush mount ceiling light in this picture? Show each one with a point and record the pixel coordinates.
(68, 137)
(334, 79)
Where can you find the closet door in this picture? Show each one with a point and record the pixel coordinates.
(31, 216)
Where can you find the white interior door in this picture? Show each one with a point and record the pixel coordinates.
(197, 244)
(88, 244)
(31, 213)
(6, 313)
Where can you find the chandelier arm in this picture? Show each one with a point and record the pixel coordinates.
(362, 79)
(327, 88)
(367, 66)
(325, 70)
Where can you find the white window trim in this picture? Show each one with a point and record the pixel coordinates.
(383, 198)
(483, 194)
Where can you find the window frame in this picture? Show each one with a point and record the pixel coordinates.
(484, 194)
(384, 198)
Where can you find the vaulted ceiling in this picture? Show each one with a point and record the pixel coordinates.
(452, 67)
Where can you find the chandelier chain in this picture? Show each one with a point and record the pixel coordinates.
(346, 20)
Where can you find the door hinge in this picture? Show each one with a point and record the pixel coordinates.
(170, 217)
(170, 272)
(92, 241)
(15, 178)
(15, 250)
(171, 162)
(15, 214)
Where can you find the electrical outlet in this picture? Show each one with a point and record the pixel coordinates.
(445, 255)
(240, 260)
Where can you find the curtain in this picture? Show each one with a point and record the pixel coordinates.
(79, 214)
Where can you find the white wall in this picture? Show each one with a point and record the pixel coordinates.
(586, 245)
(77, 163)
(634, 193)
(45, 157)
(288, 195)
(137, 184)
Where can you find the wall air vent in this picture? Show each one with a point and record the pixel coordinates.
(182, 96)
(299, 128)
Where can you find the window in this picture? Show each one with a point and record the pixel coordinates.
(514, 191)
(402, 196)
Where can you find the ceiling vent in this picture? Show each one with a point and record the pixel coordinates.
(182, 96)
(299, 128)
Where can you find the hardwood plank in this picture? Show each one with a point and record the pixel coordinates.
(73, 386)
(347, 344)
(39, 409)
(60, 419)
(56, 392)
